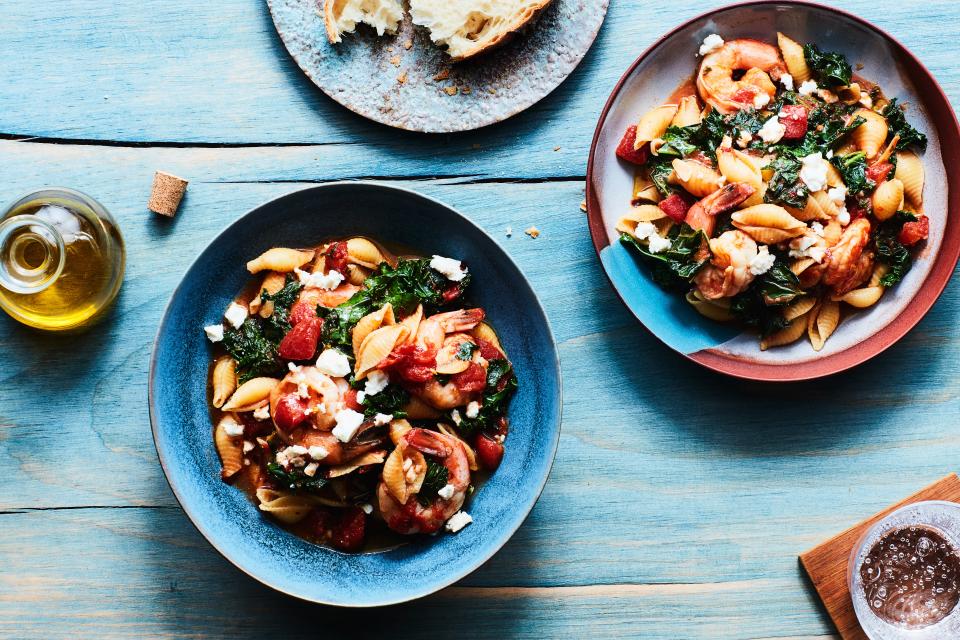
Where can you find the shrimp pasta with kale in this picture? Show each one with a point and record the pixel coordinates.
(356, 397)
(777, 189)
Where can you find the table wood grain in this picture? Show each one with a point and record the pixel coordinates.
(679, 500)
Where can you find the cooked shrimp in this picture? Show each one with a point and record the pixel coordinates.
(412, 517)
(328, 298)
(306, 394)
(444, 396)
(432, 330)
(729, 271)
(716, 79)
(702, 215)
(848, 265)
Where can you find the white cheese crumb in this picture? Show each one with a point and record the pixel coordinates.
(744, 139)
(303, 390)
(647, 231)
(710, 44)
(348, 423)
(455, 416)
(248, 446)
(329, 281)
(806, 247)
(844, 216)
(458, 521)
(446, 492)
(817, 228)
(382, 418)
(807, 87)
(311, 469)
(866, 101)
(235, 314)
(333, 363)
(787, 81)
(291, 456)
(232, 428)
(837, 194)
(367, 508)
(760, 100)
(829, 154)
(214, 332)
(263, 413)
(473, 409)
(657, 244)
(772, 130)
(377, 381)
(293, 367)
(450, 268)
(317, 452)
(361, 396)
(814, 172)
(762, 262)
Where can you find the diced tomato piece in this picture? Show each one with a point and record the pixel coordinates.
(452, 292)
(855, 209)
(914, 231)
(291, 410)
(675, 206)
(335, 258)
(411, 362)
(879, 171)
(300, 343)
(487, 350)
(473, 379)
(489, 451)
(301, 311)
(349, 531)
(625, 150)
(794, 118)
(350, 399)
(744, 96)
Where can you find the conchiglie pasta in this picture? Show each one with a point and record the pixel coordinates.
(363, 252)
(717, 310)
(229, 448)
(371, 322)
(357, 275)
(832, 232)
(377, 346)
(644, 190)
(286, 507)
(870, 136)
(793, 56)
(484, 331)
(698, 179)
(910, 173)
(863, 298)
(370, 457)
(224, 380)
(822, 322)
(272, 282)
(737, 166)
(768, 223)
(887, 199)
(654, 124)
(412, 323)
(834, 179)
(849, 94)
(879, 271)
(799, 307)
(448, 362)
(786, 336)
(251, 395)
(280, 259)
(688, 113)
(398, 428)
(813, 210)
(642, 213)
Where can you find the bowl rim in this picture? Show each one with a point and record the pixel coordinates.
(944, 263)
(481, 558)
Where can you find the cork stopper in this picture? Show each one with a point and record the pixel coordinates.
(167, 193)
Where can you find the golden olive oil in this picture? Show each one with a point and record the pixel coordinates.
(61, 260)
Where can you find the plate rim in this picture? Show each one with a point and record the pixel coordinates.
(933, 286)
(483, 557)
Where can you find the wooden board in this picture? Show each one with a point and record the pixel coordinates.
(826, 564)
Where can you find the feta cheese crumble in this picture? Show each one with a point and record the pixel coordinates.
(367, 508)
(761, 100)
(762, 262)
(772, 130)
(333, 363)
(291, 456)
(328, 281)
(263, 413)
(446, 492)
(655, 242)
(837, 194)
(807, 87)
(348, 423)
(817, 228)
(235, 314)
(814, 172)
(214, 332)
(710, 44)
(473, 409)
(248, 446)
(361, 396)
(458, 521)
(455, 416)
(844, 216)
(450, 268)
(382, 418)
(787, 81)
(377, 381)
(806, 246)
(316, 452)
(232, 428)
(744, 139)
(311, 469)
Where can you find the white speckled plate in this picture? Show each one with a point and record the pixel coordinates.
(393, 79)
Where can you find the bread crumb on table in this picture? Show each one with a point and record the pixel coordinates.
(443, 75)
(465, 90)
(451, 91)
(402, 78)
(533, 232)
(395, 61)
(166, 194)
(408, 44)
(583, 206)
(556, 148)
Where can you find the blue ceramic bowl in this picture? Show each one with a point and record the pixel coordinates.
(183, 432)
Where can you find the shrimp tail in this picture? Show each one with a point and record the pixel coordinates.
(702, 215)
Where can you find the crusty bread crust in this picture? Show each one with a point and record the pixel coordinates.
(330, 22)
(506, 34)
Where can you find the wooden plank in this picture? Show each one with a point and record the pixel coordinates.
(826, 564)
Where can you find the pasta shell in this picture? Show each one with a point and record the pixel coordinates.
(768, 223)
(799, 307)
(812, 211)
(910, 173)
(394, 478)
(398, 428)
(863, 298)
(417, 409)
(879, 271)
(801, 265)
(688, 113)
(467, 449)
(834, 179)
(716, 310)
(793, 56)
(229, 448)
(643, 189)
(849, 94)
(420, 468)
(785, 336)
(643, 213)
(377, 346)
(224, 380)
(357, 275)
(484, 331)
(280, 259)
(251, 395)
(698, 179)
(832, 232)
(286, 507)
(737, 166)
(447, 361)
(412, 323)
(826, 203)
(872, 134)
(363, 252)
(371, 457)
(654, 124)
(371, 322)
(822, 322)
(887, 199)
(272, 282)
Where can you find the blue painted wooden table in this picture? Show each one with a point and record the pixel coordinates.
(679, 499)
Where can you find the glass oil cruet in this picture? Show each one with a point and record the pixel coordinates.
(61, 260)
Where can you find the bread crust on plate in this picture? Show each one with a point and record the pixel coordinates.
(504, 36)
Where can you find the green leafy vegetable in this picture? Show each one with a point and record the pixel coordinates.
(256, 355)
(501, 385)
(785, 186)
(853, 169)
(898, 124)
(678, 142)
(890, 251)
(676, 266)
(465, 351)
(660, 170)
(831, 69)
(434, 480)
(761, 305)
(294, 480)
(779, 285)
(391, 401)
(278, 323)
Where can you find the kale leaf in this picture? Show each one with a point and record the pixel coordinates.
(277, 324)
(785, 186)
(761, 304)
(897, 121)
(501, 385)
(831, 69)
(779, 285)
(890, 251)
(660, 170)
(391, 401)
(465, 351)
(434, 480)
(853, 169)
(679, 142)
(294, 480)
(256, 355)
(676, 266)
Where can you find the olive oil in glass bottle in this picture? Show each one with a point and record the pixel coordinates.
(61, 260)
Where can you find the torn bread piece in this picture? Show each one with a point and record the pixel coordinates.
(343, 16)
(469, 28)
